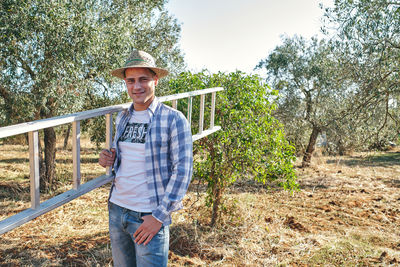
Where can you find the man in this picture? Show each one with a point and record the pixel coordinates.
(153, 162)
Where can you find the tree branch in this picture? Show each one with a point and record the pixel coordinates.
(26, 67)
(392, 44)
(395, 120)
(394, 3)
(4, 93)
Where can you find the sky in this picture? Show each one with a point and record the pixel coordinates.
(230, 35)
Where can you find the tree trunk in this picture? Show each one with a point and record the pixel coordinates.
(216, 190)
(49, 158)
(66, 137)
(216, 202)
(42, 166)
(311, 146)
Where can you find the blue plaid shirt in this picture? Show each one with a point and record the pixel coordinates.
(168, 155)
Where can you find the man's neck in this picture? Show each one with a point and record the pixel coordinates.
(144, 106)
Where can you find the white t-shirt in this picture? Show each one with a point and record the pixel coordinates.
(130, 190)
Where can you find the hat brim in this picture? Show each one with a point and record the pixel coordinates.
(120, 73)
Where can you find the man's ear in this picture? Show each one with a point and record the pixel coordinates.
(155, 80)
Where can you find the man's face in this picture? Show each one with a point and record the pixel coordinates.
(140, 83)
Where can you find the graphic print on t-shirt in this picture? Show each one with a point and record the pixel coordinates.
(135, 133)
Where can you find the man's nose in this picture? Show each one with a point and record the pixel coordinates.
(136, 85)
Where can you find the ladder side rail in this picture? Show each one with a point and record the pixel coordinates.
(191, 93)
(79, 116)
(52, 203)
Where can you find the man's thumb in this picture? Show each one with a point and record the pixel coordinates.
(112, 151)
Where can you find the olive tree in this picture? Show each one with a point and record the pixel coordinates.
(56, 56)
(313, 96)
(348, 86)
(367, 41)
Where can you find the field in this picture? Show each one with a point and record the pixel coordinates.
(347, 213)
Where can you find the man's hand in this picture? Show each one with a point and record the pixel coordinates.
(147, 230)
(107, 157)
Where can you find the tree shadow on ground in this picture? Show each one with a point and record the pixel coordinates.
(83, 160)
(251, 186)
(88, 150)
(317, 183)
(388, 159)
(95, 250)
(15, 160)
(185, 242)
(14, 190)
(392, 183)
(90, 250)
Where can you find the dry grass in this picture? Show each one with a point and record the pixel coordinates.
(346, 214)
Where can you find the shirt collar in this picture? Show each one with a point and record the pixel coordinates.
(152, 108)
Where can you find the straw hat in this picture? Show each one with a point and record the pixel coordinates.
(139, 59)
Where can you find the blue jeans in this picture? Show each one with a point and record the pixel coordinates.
(125, 252)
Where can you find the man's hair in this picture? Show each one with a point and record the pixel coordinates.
(151, 71)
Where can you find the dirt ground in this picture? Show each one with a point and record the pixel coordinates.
(347, 213)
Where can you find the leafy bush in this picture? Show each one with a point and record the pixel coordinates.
(251, 142)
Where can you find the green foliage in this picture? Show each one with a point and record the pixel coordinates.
(367, 42)
(251, 142)
(56, 56)
(347, 87)
(312, 95)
